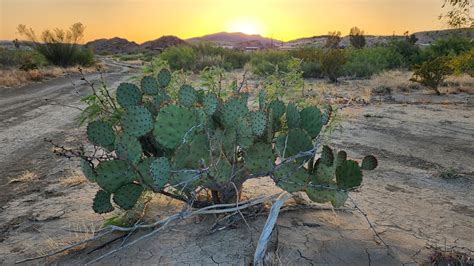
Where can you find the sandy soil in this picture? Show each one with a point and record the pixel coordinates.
(415, 135)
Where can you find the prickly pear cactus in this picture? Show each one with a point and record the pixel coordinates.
(199, 140)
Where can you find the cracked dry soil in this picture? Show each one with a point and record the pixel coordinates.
(411, 207)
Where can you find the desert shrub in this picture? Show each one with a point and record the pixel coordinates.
(363, 63)
(332, 63)
(408, 50)
(60, 47)
(357, 38)
(452, 46)
(180, 57)
(269, 62)
(197, 141)
(333, 39)
(463, 63)
(21, 59)
(310, 61)
(432, 73)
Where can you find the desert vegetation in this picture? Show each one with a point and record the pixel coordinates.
(233, 148)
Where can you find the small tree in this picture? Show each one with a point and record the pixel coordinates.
(332, 62)
(432, 73)
(357, 38)
(333, 39)
(58, 46)
(459, 14)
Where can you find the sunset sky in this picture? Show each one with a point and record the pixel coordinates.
(142, 20)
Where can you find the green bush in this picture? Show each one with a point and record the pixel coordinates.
(269, 62)
(60, 47)
(463, 63)
(452, 46)
(363, 63)
(310, 61)
(408, 50)
(22, 59)
(432, 73)
(180, 57)
(332, 63)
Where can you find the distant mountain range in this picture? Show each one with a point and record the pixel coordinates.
(254, 41)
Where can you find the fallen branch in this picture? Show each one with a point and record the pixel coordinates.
(268, 228)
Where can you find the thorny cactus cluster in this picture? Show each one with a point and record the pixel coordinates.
(202, 142)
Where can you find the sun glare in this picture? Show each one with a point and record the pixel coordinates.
(246, 26)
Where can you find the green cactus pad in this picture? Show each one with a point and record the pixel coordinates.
(187, 96)
(210, 103)
(341, 157)
(296, 141)
(221, 173)
(258, 122)
(164, 78)
(234, 109)
(292, 116)
(278, 109)
(128, 95)
(324, 174)
(127, 195)
(128, 148)
(174, 125)
(160, 171)
(149, 85)
(327, 156)
(113, 174)
(369, 163)
(145, 171)
(88, 170)
(137, 121)
(291, 178)
(260, 158)
(311, 121)
(160, 99)
(326, 114)
(322, 195)
(101, 133)
(262, 100)
(102, 203)
(348, 175)
(244, 134)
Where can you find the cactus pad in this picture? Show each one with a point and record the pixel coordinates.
(369, 163)
(327, 156)
(258, 122)
(326, 114)
(174, 125)
(221, 173)
(277, 107)
(128, 148)
(341, 157)
(128, 95)
(292, 116)
(145, 171)
(291, 178)
(137, 121)
(113, 174)
(102, 203)
(234, 109)
(260, 158)
(88, 170)
(244, 134)
(127, 195)
(209, 103)
(187, 96)
(164, 78)
(160, 171)
(262, 100)
(101, 133)
(348, 175)
(296, 141)
(311, 121)
(149, 85)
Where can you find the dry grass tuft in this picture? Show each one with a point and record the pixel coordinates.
(26, 176)
(394, 79)
(16, 78)
(74, 180)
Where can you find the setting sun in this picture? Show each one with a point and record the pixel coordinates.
(245, 25)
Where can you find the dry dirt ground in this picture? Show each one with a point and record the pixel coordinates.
(415, 135)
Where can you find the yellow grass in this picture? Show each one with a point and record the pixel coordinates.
(74, 180)
(26, 176)
(16, 78)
